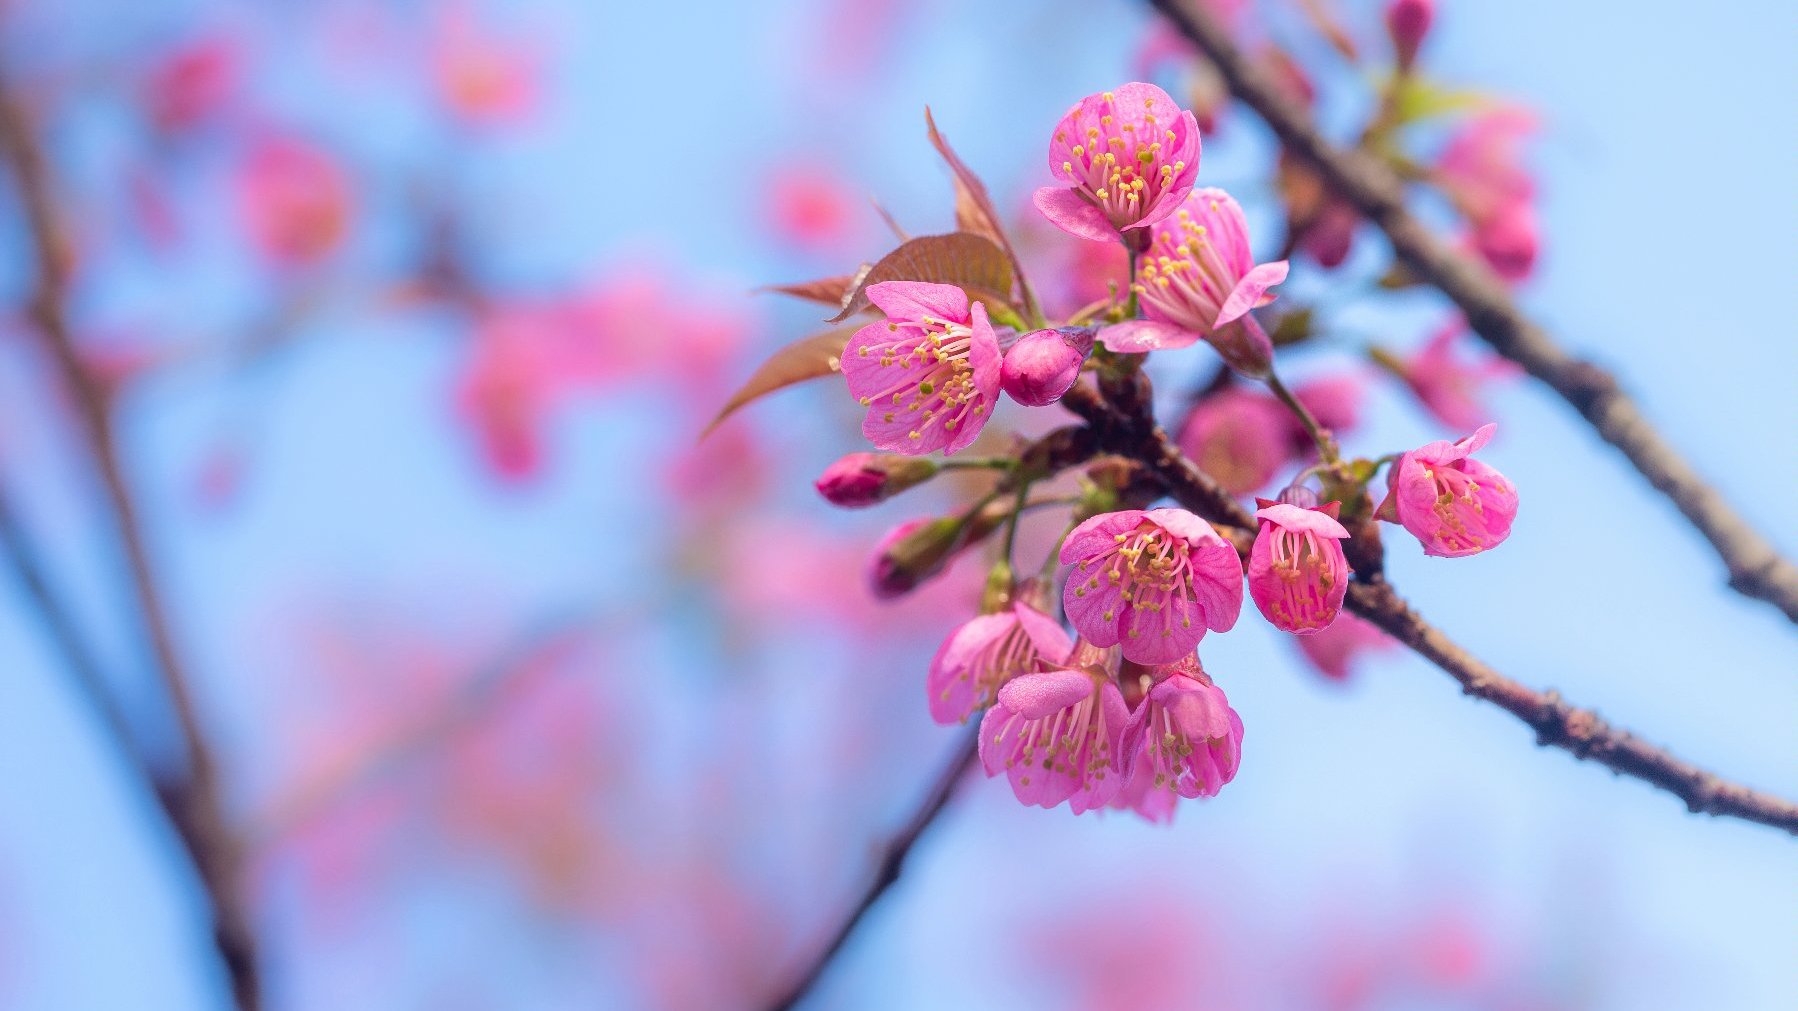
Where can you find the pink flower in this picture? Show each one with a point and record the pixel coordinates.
(295, 199)
(1044, 364)
(919, 550)
(1331, 234)
(864, 479)
(810, 206)
(1407, 22)
(1335, 401)
(1239, 437)
(1481, 165)
(1297, 572)
(1184, 740)
(483, 78)
(1199, 280)
(929, 373)
(985, 652)
(1127, 157)
(1509, 240)
(1451, 502)
(1448, 387)
(1332, 650)
(1058, 735)
(1154, 581)
(193, 84)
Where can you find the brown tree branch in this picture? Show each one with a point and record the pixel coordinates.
(1125, 426)
(194, 803)
(1756, 568)
(886, 873)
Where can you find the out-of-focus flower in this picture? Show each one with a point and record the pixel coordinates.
(929, 373)
(295, 200)
(1509, 240)
(1239, 437)
(1199, 280)
(1453, 504)
(1407, 22)
(192, 84)
(1126, 158)
(1058, 735)
(985, 652)
(1447, 386)
(1481, 165)
(1332, 234)
(1153, 581)
(509, 384)
(864, 479)
(1184, 740)
(1297, 572)
(1335, 401)
(483, 77)
(1043, 364)
(809, 206)
(1334, 650)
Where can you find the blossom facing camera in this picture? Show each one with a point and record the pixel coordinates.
(1199, 280)
(1058, 735)
(985, 652)
(929, 373)
(864, 479)
(1126, 159)
(1407, 22)
(1240, 437)
(1151, 581)
(1043, 365)
(1184, 740)
(1297, 571)
(1453, 504)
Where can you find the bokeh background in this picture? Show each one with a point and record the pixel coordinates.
(529, 700)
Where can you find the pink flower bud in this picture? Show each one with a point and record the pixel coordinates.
(919, 550)
(1043, 364)
(1408, 21)
(1451, 502)
(863, 479)
(1297, 572)
(1509, 240)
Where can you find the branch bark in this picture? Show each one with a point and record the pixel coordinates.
(1756, 569)
(886, 874)
(1125, 426)
(194, 802)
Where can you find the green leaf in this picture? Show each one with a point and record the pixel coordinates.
(968, 261)
(818, 355)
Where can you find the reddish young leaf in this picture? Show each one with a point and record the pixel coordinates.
(807, 358)
(968, 261)
(974, 210)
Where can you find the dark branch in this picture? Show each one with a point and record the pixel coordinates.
(1756, 568)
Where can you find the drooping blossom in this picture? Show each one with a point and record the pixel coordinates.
(1335, 650)
(1448, 386)
(985, 652)
(1126, 158)
(1455, 505)
(1199, 280)
(295, 200)
(1297, 572)
(1240, 437)
(929, 373)
(864, 479)
(1153, 581)
(1043, 364)
(1407, 22)
(1058, 735)
(1183, 740)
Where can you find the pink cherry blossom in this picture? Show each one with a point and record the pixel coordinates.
(1334, 400)
(1508, 240)
(484, 78)
(1333, 650)
(1447, 386)
(917, 551)
(1043, 364)
(1407, 22)
(1058, 735)
(295, 199)
(1481, 165)
(193, 84)
(1199, 280)
(1127, 158)
(1455, 505)
(810, 206)
(929, 373)
(1297, 572)
(864, 479)
(1240, 437)
(1184, 740)
(979, 657)
(1153, 581)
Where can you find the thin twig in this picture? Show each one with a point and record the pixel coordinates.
(1130, 431)
(1756, 568)
(195, 802)
(886, 874)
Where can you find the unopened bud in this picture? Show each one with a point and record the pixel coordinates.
(916, 551)
(863, 479)
(1043, 364)
(1299, 495)
(1245, 347)
(1408, 21)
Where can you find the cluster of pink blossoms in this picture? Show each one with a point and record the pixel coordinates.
(1114, 709)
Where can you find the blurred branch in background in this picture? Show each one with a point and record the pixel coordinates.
(193, 800)
(1756, 568)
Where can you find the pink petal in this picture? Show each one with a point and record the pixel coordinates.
(1249, 291)
(1074, 214)
(1299, 518)
(1218, 584)
(914, 300)
(1139, 335)
(1035, 696)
